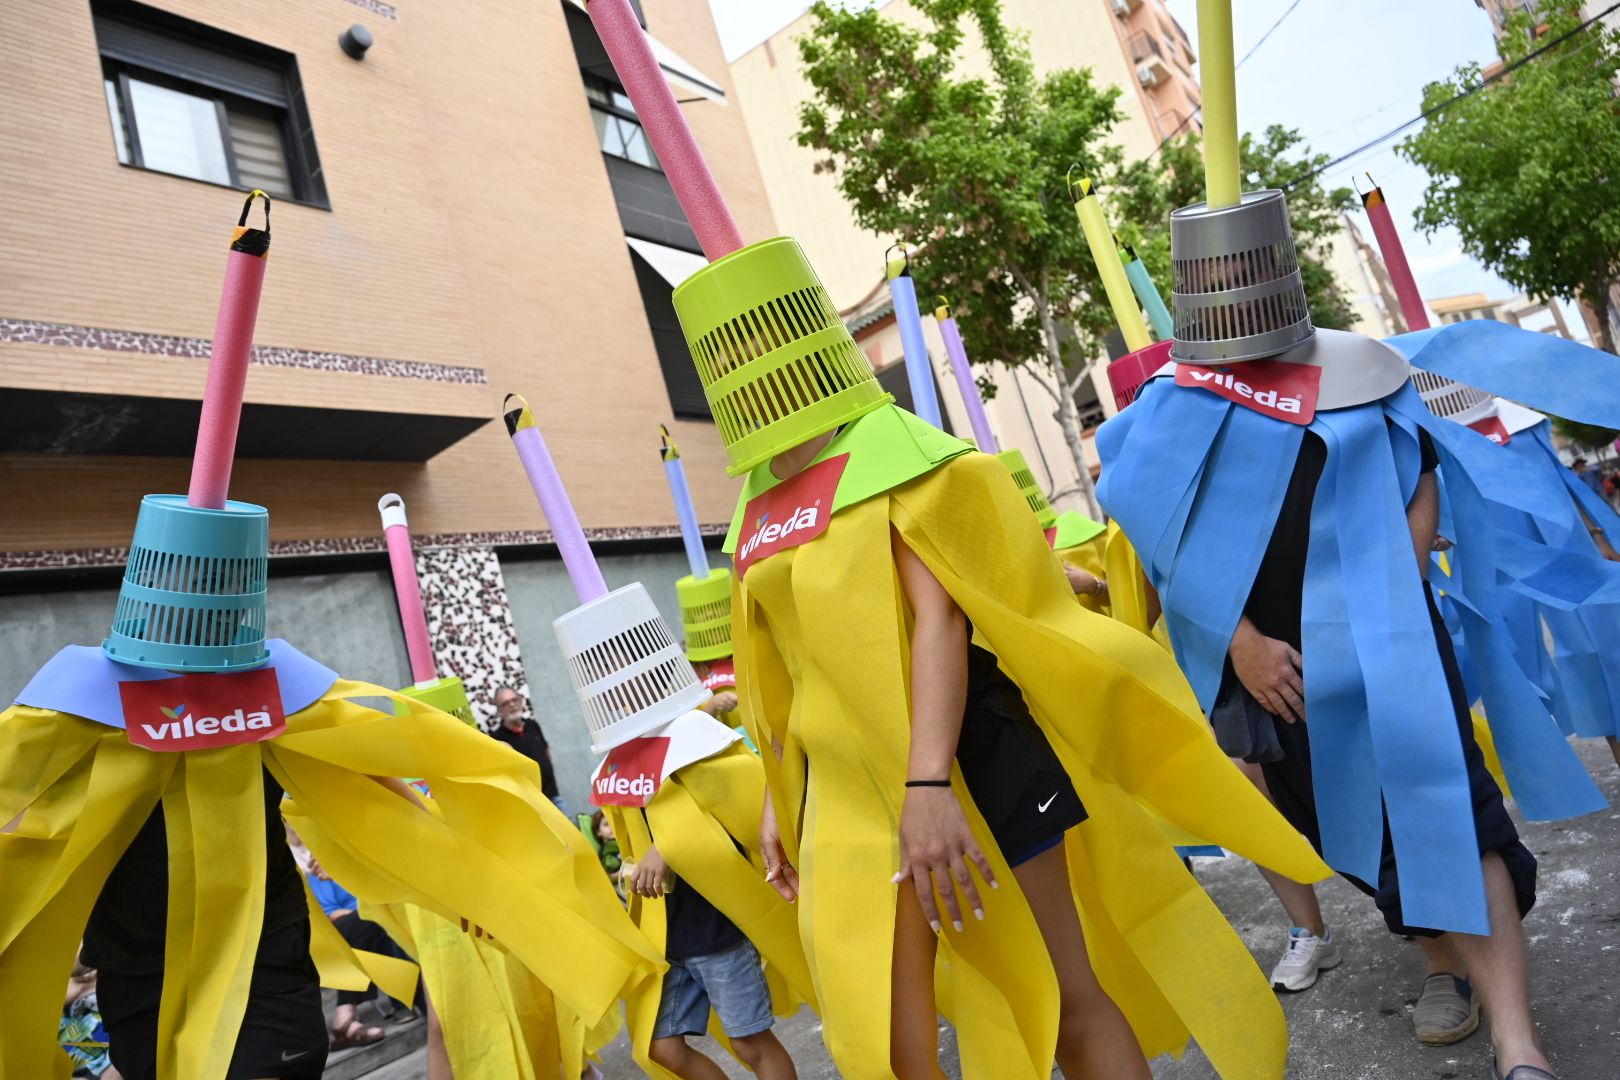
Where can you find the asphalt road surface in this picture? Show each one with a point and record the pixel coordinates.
(1355, 1023)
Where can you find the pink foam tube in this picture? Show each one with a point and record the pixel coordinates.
(227, 377)
(637, 67)
(408, 590)
(565, 527)
(982, 434)
(1400, 272)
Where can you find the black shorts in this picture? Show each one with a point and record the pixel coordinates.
(1010, 769)
(1294, 792)
(283, 1032)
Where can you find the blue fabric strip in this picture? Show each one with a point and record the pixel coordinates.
(1538, 370)
(82, 681)
(1418, 755)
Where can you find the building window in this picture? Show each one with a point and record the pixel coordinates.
(192, 101)
(617, 128)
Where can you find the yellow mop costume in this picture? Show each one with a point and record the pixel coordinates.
(823, 658)
(499, 855)
(698, 816)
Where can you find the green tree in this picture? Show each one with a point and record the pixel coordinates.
(1174, 177)
(972, 170)
(1586, 436)
(1526, 169)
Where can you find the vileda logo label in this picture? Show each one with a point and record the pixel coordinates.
(1493, 429)
(632, 773)
(1051, 537)
(200, 712)
(722, 675)
(1273, 388)
(793, 512)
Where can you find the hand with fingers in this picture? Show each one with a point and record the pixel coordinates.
(937, 852)
(778, 871)
(651, 875)
(1269, 669)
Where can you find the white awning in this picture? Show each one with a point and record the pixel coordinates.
(672, 264)
(687, 80)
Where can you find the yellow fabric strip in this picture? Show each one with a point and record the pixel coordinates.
(498, 853)
(82, 813)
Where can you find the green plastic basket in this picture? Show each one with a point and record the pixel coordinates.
(706, 615)
(1038, 505)
(777, 363)
(446, 695)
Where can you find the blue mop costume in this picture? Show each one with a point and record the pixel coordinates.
(1198, 482)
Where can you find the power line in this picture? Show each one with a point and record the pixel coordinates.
(1252, 50)
(1454, 99)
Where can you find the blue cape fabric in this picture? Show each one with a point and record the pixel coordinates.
(1197, 484)
(83, 681)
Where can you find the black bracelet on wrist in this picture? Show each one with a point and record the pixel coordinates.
(929, 783)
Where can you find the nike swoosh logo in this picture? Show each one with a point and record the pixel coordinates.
(293, 1057)
(1048, 802)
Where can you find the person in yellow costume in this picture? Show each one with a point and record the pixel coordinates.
(869, 549)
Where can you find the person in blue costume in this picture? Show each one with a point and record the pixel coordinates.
(1575, 663)
(1282, 491)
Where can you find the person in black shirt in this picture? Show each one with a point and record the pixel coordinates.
(283, 1031)
(522, 734)
(1264, 662)
(711, 965)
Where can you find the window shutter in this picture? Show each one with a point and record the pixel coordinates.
(236, 70)
(260, 147)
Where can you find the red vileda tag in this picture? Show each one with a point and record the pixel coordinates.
(793, 512)
(1051, 536)
(1493, 429)
(722, 675)
(1274, 388)
(200, 712)
(632, 773)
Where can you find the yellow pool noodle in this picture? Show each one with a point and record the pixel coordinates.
(1101, 241)
(1222, 176)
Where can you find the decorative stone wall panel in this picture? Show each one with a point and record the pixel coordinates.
(470, 623)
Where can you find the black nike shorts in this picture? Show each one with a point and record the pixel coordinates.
(283, 1032)
(1011, 771)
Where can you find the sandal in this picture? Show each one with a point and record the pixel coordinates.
(356, 1034)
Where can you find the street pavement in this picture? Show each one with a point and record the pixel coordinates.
(1355, 1023)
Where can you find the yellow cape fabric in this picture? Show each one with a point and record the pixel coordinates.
(695, 817)
(823, 653)
(501, 856)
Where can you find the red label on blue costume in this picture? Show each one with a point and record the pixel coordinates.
(201, 712)
(1274, 388)
(722, 675)
(632, 773)
(794, 512)
(1493, 429)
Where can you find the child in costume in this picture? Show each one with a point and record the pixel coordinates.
(824, 642)
(144, 780)
(674, 773)
(1281, 490)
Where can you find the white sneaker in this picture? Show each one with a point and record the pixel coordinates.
(1307, 957)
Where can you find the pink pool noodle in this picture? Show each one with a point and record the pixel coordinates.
(227, 377)
(982, 433)
(1400, 272)
(407, 589)
(637, 67)
(548, 488)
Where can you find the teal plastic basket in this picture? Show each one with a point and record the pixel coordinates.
(193, 593)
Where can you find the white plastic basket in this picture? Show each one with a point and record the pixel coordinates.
(628, 670)
(1452, 400)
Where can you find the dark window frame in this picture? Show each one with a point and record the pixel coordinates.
(302, 158)
(619, 114)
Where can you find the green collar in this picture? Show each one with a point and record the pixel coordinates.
(886, 448)
(1074, 529)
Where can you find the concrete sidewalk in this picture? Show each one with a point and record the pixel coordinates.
(1354, 1024)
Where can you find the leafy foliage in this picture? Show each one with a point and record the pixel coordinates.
(1525, 170)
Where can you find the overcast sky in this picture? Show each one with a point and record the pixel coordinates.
(1341, 73)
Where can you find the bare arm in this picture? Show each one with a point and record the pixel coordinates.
(936, 844)
(1605, 548)
(1423, 518)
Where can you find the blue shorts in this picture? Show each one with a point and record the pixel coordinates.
(732, 981)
